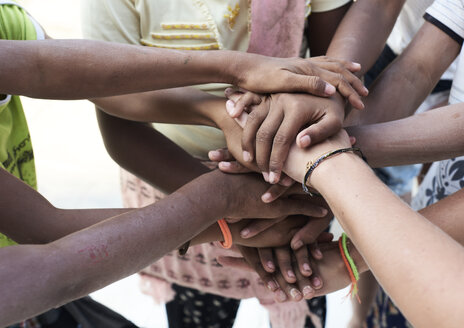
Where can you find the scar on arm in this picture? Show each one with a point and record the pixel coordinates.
(95, 254)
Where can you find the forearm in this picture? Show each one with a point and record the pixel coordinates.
(178, 106)
(146, 153)
(105, 252)
(404, 85)
(416, 139)
(104, 69)
(364, 30)
(381, 226)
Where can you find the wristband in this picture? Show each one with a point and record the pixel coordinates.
(311, 166)
(227, 243)
(348, 263)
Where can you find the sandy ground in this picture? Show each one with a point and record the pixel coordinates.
(74, 171)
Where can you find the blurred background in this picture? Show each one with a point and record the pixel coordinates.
(74, 171)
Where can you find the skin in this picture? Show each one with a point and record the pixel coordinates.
(120, 243)
(419, 245)
(52, 71)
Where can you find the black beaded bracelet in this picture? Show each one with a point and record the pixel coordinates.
(310, 166)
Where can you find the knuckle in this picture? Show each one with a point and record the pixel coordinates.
(316, 83)
(281, 139)
(263, 135)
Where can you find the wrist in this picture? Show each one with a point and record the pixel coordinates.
(357, 258)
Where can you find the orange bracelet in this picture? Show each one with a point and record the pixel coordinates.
(227, 243)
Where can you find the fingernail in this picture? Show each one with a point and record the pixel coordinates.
(245, 232)
(357, 65)
(273, 177)
(290, 274)
(295, 293)
(266, 176)
(306, 267)
(246, 156)
(329, 89)
(281, 296)
(267, 197)
(305, 141)
(230, 107)
(225, 164)
(270, 265)
(307, 290)
(272, 285)
(324, 211)
(318, 253)
(297, 245)
(366, 90)
(214, 154)
(316, 282)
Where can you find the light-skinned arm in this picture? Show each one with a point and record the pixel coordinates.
(404, 251)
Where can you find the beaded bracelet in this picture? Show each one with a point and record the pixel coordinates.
(227, 243)
(310, 166)
(350, 266)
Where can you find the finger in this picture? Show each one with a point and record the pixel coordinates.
(233, 167)
(250, 129)
(235, 262)
(352, 140)
(267, 259)
(287, 291)
(285, 207)
(220, 155)
(327, 126)
(252, 257)
(264, 141)
(340, 68)
(274, 192)
(286, 181)
(246, 101)
(346, 90)
(305, 285)
(257, 226)
(309, 233)
(283, 139)
(315, 251)
(352, 66)
(284, 262)
(232, 93)
(302, 259)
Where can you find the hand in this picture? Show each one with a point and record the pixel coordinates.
(275, 121)
(278, 232)
(320, 76)
(275, 281)
(228, 164)
(297, 158)
(242, 198)
(330, 269)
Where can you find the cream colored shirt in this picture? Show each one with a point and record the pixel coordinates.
(180, 24)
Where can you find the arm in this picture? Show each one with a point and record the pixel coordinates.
(364, 30)
(104, 69)
(119, 246)
(395, 241)
(416, 139)
(402, 87)
(321, 29)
